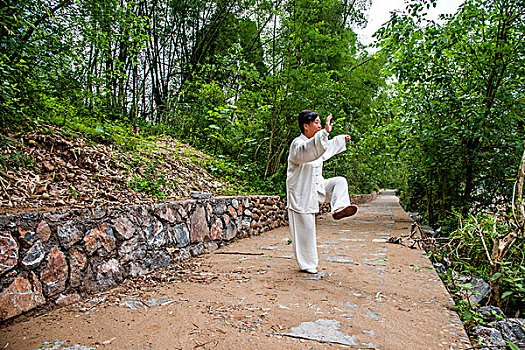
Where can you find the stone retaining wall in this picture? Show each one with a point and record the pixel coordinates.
(363, 198)
(58, 257)
(354, 199)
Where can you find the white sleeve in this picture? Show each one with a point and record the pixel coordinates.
(335, 146)
(310, 150)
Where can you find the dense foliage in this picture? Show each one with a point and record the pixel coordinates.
(458, 97)
(228, 77)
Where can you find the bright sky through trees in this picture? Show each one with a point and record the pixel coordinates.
(380, 10)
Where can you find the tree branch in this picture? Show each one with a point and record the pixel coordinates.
(31, 30)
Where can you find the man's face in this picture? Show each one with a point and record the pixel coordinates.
(311, 129)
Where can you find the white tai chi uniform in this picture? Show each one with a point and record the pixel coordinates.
(306, 188)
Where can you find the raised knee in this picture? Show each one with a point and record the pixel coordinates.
(342, 180)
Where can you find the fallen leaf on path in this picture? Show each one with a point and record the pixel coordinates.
(106, 342)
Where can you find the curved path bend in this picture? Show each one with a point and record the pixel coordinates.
(250, 295)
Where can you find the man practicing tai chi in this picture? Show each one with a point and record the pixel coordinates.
(306, 187)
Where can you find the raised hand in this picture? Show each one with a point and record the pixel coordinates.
(328, 127)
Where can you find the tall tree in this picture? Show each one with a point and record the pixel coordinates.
(458, 102)
(27, 53)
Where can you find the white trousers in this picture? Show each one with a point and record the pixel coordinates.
(336, 189)
(302, 225)
(302, 230)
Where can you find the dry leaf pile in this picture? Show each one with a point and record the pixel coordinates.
(51, 168)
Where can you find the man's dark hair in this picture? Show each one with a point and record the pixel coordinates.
(306, 117)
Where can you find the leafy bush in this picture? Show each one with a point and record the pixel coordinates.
(13, 158)
(149, 182)
(475, 248)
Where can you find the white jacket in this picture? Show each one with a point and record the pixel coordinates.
(304, 180)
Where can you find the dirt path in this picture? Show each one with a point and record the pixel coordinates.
(250, 295)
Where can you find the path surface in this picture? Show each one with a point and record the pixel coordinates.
(250, 295)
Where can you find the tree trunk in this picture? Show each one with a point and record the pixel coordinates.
(430, 200)
(469, 178)
(518, 196)
(444, 197)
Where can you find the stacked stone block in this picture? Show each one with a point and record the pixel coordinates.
(59, 257)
